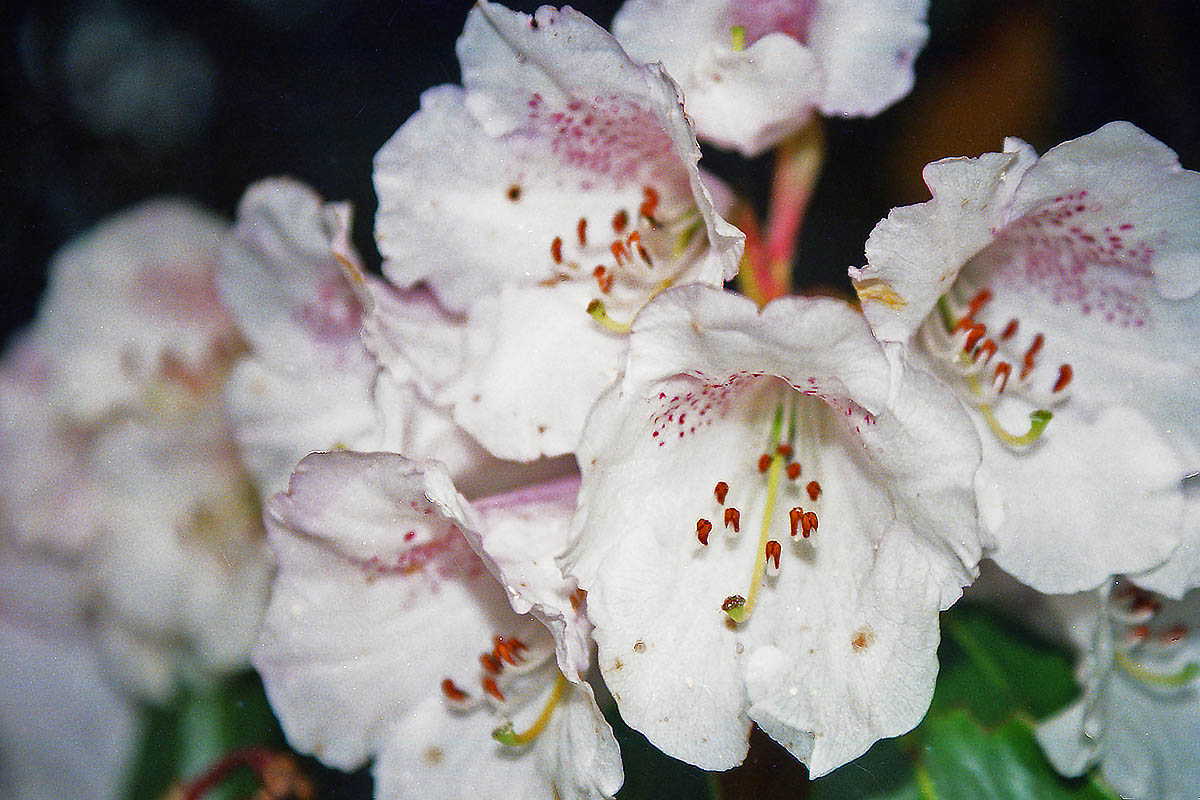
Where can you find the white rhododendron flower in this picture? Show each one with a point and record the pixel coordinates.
(754, 71)
(431, 634)
(1139, 715)
(116, 409)
(769, 522)
(1064, 284)
(65, 729)
(337, 359)
(546, 200)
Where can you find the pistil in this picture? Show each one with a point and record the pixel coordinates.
(506, 734)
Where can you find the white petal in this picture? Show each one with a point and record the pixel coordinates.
(437, 752)
(366, 620)
(535, 363)
(1088, 501)
(895, 463)
(135, 288)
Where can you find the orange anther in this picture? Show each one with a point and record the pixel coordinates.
(733, 519)
(581, 231)
(556, 250)
(721, 490)
(489, 686)
(1064, 377)
(619, 221)
(793, 471)
(813, 489)
(764, 462)
(773, 552)
(452, 692)
(703, 529)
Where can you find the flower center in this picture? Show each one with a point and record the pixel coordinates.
(510, 675)
(630, 258)
(784, 488)
(1142, 636)
(992, 364)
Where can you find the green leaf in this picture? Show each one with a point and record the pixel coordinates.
(960, 760)
(995, 668)
(199, 727)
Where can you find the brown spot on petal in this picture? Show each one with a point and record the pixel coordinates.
(863, 638)
(433, 756)
(513, 193)
(639, 646)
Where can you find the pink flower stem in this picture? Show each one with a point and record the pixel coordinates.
(798, 162)
(277, 773)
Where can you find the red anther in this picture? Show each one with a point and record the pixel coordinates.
(813, 489)
(604, 278)
(773, 552)
(784, 450)
(489, 686)
(556, 249)
(733, 601)
(619, 221)
(703, 529)
(795, 516)
(764, 462)
(490, 663)
(649, 203)
(577, 598)
(619, 252)
(1027, 362)
(733, 518)
(452, 692)
(1143, 603)
(1010, 330)
(977, 332)
(1139, 633)
(1174, 634)
(720, 490)
(1064, 377)
(985, 351)
(808, 524)
(1003, 369)
(793, 471)
(978, 301)
(963, 324)
(645, 255)
(581, 231)
(507, 650)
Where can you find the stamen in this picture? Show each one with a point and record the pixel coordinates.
(604, 278)
(980, 299)
(1038, 420)
(453, 693)
(597, 312)
(619, 221)
(772, 553)
(1000, 376)
(814, 490)
(490, 663)
(985, 351)
(784, 450)
(974, 334)
(1064, 377)
(508, 650)
(764, 462)
(793, 471)
(795, 517)
(721, 490)
(649, 205)
(1010, 330)
(703, 529)
(619, 252)
(1027, 363)
(556, 250)
(808, 523)
(1173, 635)
(505, 734)
(489, 686)
(581, 231)
(733, 518)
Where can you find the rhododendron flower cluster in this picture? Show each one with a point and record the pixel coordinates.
(578, 449)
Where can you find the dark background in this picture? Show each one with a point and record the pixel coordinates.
(312, 88)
